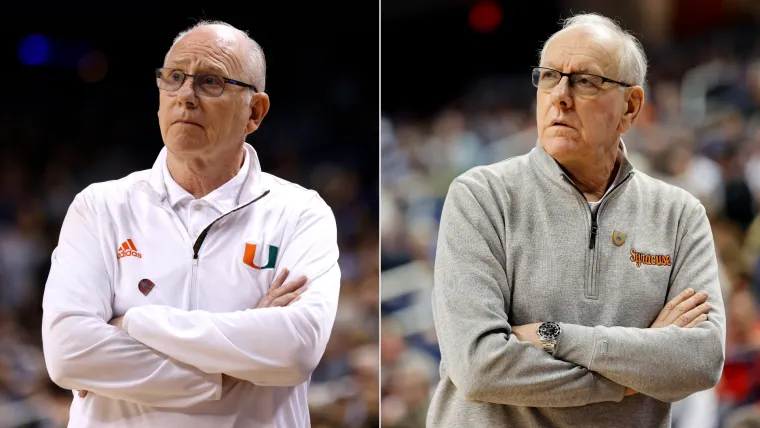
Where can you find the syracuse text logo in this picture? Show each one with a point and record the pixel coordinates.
(249, 257)
(649, 259)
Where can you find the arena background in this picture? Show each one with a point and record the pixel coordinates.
(456, 93)
(79, 106)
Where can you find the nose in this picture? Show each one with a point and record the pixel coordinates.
(561, 96)
(186, 93)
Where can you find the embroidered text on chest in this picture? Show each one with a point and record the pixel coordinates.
(649, 259)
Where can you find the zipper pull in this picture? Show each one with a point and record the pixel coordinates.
(594, 229)
(195, 260)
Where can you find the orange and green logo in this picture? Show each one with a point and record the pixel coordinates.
(249, 257)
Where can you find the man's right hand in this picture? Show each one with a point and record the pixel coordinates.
(685, 310)
(283, 295)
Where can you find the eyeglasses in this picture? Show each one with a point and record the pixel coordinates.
(206, 84)
(583, 84)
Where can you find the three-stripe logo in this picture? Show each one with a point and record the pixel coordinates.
(127, 249)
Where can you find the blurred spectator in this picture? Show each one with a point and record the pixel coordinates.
(698, 410)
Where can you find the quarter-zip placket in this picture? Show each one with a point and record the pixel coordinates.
(197, 248)
(590, 290)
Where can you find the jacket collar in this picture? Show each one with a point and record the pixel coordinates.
(252, 187)
(551, 168)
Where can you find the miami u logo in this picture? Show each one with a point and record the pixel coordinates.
(250, 255)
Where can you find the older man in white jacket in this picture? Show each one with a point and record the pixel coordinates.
(163, 300)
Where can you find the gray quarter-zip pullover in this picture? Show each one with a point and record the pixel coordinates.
(519, 244)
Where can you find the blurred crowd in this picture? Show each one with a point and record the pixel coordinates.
(700, 130)
(49, 154)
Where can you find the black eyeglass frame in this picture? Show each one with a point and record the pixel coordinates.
(570, 75)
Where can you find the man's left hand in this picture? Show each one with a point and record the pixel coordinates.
(117, 322)
(528, 333)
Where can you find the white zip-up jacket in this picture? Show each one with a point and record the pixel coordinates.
(187, 306)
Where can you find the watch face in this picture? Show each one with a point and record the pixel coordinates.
(549, 330)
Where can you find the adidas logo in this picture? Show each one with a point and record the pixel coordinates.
(127, 249)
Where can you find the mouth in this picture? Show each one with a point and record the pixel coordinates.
(560, 123)
(186, 122)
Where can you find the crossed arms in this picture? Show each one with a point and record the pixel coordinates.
(176, 358)
(591, 364)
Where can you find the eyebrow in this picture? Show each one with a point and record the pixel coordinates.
(583, 70)
(587, 71)
(207, 68)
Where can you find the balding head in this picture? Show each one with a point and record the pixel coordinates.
(211, 124)
(580, 121)
(623, 48)
(249, 53)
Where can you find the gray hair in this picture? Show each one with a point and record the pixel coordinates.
(632, 66)
(255, 64)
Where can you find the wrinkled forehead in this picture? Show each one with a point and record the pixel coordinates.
(209, 48)
(584, 49)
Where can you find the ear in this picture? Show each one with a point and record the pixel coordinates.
(633, 105)
(259, 108)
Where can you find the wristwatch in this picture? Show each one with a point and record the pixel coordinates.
(549, 332)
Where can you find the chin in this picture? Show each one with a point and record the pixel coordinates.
(562, 148)
(186, 143)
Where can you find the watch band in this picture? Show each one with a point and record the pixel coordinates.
(549, 346)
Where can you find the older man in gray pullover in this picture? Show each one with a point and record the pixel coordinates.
(571, 289)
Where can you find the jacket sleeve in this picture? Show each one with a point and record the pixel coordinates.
(470, 304)
(82, 351)
(270, 346)
(665, 363)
